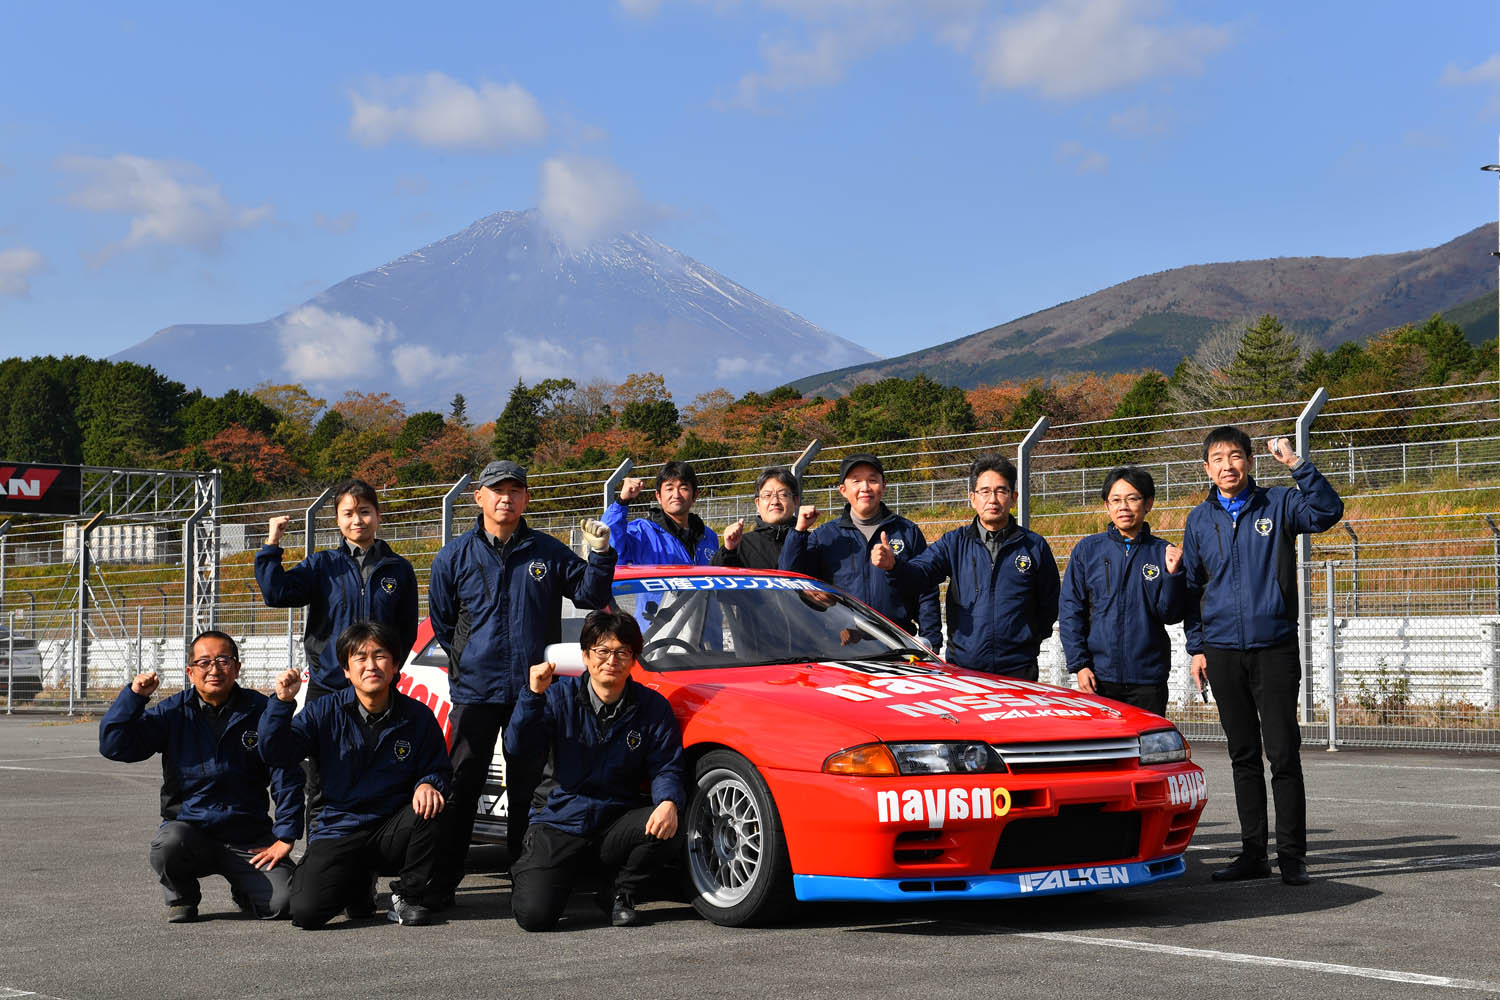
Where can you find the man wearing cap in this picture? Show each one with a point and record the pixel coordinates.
(670, 533)
(495, 600)
(838, 551)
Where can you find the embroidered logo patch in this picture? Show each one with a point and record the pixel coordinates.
(1151, 571)
(538, 570)
(898, 545)
(249, 739)
(403, 749)
(388, 585)
(1263, 525)
(1023, 563)
(633, 739)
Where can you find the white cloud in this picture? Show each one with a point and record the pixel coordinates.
(1484, 73)
(1083, 160)
(417, 364)
(437, 111)
(584, 200)
(535, 359)
(169, 203)
(336, 223)
(319, 345)
(16, 267)
(1076, 48)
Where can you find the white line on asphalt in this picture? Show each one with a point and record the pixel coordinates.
(33, 760)
(1397, 802)
(1390, 975)
(7, 993)
(1411, 767)
(59, 770)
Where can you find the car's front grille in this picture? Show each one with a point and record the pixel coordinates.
(1078, 835)
(1070, 755)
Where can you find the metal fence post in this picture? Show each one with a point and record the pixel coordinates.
(4, 528)
(74, 618)
(1333, 674)
(190, 573)
(799, 467)
(310, 522)
(140, 652)
(1303, 447)
(10, 664)
(1023, 469)
(449, 499)
(291, 654)
(1495, 532)
(1354, 549)
(612, 484)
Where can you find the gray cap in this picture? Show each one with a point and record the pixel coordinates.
(860, 458)
(497, 472)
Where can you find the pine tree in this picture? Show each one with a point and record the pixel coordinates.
(1266, 365)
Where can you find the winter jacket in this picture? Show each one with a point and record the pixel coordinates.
(654, 539)
(837, 553)
(495, 610)
(596, 771)
(1242, 572)
(760, 547)
(362, 784)
(332, 587)
(215, 782)
(1116, 605)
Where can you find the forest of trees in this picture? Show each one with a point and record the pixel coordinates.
(278, 439)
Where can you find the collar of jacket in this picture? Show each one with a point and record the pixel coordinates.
(1252, 492)
(847, 517)
(627, 699)
(1119, 539)
(777, 531)
(395, 710)
(237, 703)
(522, 530)
(689, 536)
(378, 548)
(1011, 530)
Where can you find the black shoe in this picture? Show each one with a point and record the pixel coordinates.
(182, 914)
(1242, 869)
(363, 909)
(622, 913)
(412, 914)
(1294, 872)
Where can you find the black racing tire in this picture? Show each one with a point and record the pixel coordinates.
(737, 863)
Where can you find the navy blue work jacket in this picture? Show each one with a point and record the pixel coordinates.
(1116, 606)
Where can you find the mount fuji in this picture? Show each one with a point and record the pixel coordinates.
(505, 299)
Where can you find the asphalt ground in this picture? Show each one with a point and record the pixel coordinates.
(1405, 855)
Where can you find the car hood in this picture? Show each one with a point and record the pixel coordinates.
(899, 701)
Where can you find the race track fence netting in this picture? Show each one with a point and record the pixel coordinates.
(1415, 594)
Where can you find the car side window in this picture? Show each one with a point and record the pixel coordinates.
(432, 655)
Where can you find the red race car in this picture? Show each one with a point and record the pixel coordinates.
(831, 756)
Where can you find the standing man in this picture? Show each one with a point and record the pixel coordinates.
(614, 790)
(495, 599)
(839, 551)
(1122, 588)
(776, 498)
(386, 776)
(213, 793)
(669, 533)
(1241, 624)
(1002, 579)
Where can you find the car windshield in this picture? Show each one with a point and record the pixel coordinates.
(724, 621)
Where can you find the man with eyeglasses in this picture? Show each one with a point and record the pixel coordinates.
(614, 790)
(1002, 579)
(213, 795)
(1123, 587)
(776, 498)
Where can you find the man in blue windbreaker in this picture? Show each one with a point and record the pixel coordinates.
(614, 791)
(495, 598)
(213, 794)
(1122, 588)
(838, 551)
(385, 780)
(670, 533)
(1238, 550)
(1002, 579)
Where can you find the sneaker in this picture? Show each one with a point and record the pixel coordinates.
(622, 913)
(402, 912)
(182, 914)
(363, 909)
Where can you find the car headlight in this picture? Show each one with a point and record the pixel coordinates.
(946, 758)
(1163, 746)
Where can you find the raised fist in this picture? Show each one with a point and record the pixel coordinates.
(595, 534)
(806, 515)
(1281, 450)
(631, 488)
(733, 534)
(541, 676)
(288, 683)
(1173, 558)
(145, 683)
(275, 528)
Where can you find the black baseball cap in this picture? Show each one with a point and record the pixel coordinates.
(859, 458)
(499, 471)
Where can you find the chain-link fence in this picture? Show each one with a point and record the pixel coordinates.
(1415, 598)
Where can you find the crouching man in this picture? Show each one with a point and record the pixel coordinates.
(385, 777)
(613, 786)
(213, 796)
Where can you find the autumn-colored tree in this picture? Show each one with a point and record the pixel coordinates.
(451, 454)
(292, 401)
(372, 411)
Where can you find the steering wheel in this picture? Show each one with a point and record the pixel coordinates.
(656, 645)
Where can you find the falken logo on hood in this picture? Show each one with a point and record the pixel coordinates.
(992, 698)
(1074, 878)
(935, 805)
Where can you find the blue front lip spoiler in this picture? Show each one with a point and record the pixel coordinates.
(1048, 882)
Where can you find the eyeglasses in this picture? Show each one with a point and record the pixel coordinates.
(782, 495)
(1131, 501)
(620, 654)
(996, 493)
(222, 662)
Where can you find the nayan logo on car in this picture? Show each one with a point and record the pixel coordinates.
(935, 806)
(1074, 878)
(1187, 789)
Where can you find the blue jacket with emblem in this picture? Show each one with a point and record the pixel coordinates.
(596, 771)
(215, 782)
(495, 611)
(654, 539)
(1242, 572)
(1116, 604)
(331, 586)
(999, 610)
(362, 784)
(837, 552)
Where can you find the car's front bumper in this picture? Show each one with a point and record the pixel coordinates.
(1049, 882)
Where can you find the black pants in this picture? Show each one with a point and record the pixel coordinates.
(181, 854)
(1257, 694)
(1151, 697)
(336, 871)
(313, 789)
(543, 877)
(475, 729)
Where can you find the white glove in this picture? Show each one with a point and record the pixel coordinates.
(595, 533)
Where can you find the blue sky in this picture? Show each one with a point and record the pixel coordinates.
(900, 173)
